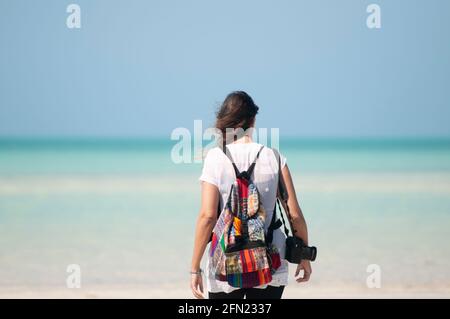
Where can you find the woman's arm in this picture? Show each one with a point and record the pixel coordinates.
(297, 221)
(205, 224)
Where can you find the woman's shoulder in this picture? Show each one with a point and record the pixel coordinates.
(213, 154)
(274, 154)
(254, 147)
(270, 150)
(216, 152)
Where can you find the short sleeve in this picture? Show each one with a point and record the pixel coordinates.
(209, 171)
(283, 160)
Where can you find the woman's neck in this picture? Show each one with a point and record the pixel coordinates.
(244, 140)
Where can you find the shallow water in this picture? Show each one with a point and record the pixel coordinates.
(125, 212)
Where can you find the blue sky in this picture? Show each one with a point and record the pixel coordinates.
(142, 68)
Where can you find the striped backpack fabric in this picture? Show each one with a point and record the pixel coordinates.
(239, 252)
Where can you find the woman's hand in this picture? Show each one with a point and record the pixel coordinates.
(305, 265)
(197, 286)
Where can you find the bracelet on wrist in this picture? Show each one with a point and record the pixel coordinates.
(198, 272)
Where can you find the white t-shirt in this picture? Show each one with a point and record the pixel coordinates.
(218, 170)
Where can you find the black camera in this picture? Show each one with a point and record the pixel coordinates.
(296, 250)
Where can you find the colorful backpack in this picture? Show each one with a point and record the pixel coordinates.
(239, 252)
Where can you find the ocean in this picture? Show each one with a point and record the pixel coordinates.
(125, 213)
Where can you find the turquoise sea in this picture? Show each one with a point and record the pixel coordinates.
(124, 212)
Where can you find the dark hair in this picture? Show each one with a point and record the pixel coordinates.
(237, 111)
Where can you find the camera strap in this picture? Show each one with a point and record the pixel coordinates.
(286, 230)
(282, 197)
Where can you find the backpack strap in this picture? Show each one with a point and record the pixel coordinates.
(252, 166)
(226, 151)
(244, 174)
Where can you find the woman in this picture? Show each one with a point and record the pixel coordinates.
(238, 112)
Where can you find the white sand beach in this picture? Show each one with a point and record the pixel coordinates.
(178, 292)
